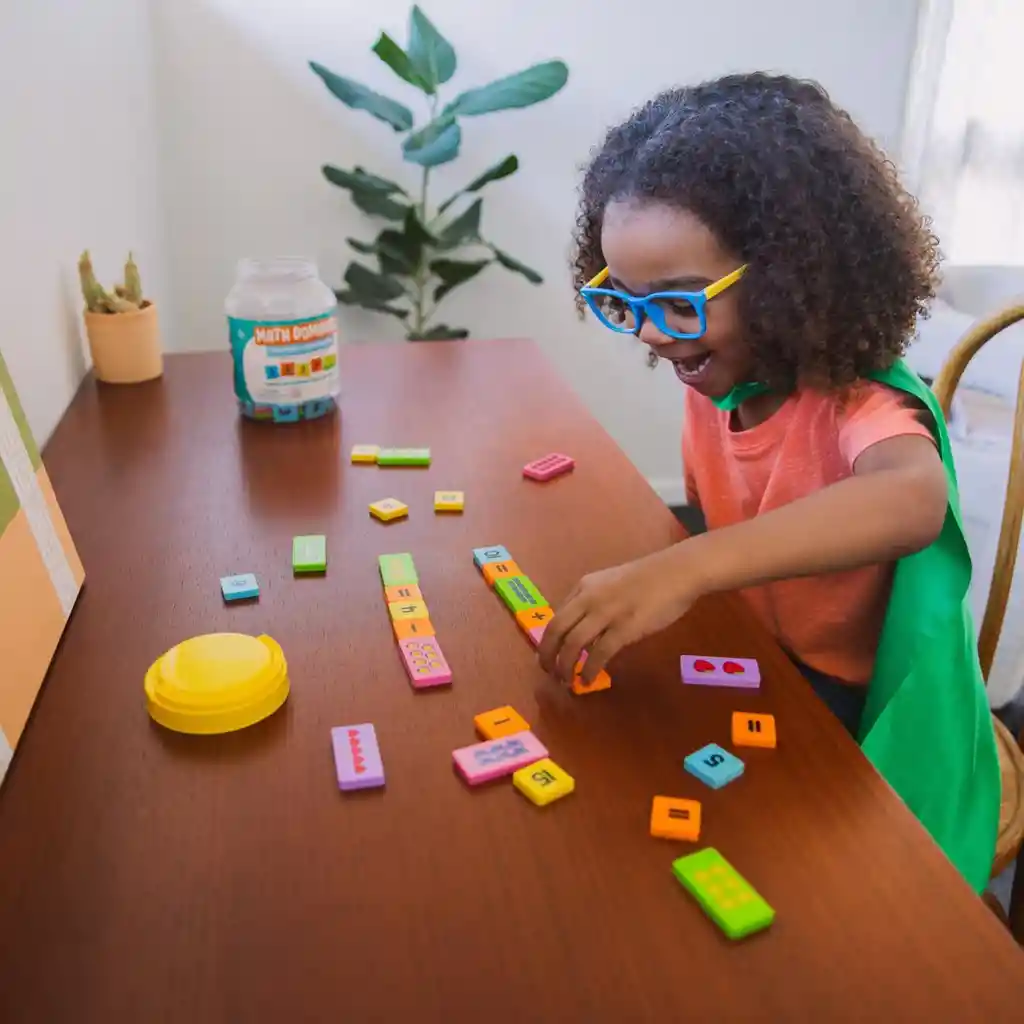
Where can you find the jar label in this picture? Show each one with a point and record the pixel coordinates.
(285, 369)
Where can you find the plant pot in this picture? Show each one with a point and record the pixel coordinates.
(125, 347)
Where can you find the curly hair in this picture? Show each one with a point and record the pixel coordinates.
(841, 261)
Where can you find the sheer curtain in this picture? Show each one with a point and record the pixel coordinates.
(964, 133)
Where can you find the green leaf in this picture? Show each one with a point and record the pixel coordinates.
(416, 231)
(510, 263)
(522, 89)
(399, 251)
(455, 272)
(369, 284)
(500, 170)
(359, 97)
(464, 228)
(398, 60)
(350, 298)
(370, 193)
(366, 248)
(442, 332)
(436, 143)
(430, 53)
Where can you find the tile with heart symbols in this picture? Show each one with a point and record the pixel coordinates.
(708, 671)
(357, 757)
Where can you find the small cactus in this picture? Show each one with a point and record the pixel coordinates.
(125, 298)
(132, 282)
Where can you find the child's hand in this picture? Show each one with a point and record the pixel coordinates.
(612, 609)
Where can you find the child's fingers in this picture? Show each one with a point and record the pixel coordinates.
(555, 632)
(608, 644)
(585, 632)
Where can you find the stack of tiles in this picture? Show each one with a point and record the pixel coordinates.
(421, 653)
(528, 605)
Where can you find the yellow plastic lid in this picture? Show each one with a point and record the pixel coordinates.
(215, 683)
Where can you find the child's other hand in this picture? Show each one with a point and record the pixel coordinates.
(613, 608)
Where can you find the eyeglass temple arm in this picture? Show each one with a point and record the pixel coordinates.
(710, 292)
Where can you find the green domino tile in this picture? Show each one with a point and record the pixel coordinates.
(403, 457)
(309, 554)
(396, 570)
(726, 896)
(519, 594)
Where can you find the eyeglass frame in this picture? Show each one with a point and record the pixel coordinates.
(642, 306)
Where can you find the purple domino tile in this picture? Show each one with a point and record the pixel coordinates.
(550, 466)
(357, 756)
(705, 671)
(492, 759)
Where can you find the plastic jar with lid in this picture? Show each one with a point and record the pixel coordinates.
(283, 333)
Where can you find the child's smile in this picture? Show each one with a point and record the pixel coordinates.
(652, 247)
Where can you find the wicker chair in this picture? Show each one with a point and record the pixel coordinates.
(1011, 756)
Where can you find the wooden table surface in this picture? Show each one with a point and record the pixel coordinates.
(152, 877)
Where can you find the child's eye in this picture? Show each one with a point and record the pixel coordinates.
(679, 307)
(616, 310)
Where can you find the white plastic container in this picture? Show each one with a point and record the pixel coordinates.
(283, 334)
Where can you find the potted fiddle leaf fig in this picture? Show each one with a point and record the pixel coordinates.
(427, 249)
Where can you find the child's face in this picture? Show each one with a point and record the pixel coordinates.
(653, 247)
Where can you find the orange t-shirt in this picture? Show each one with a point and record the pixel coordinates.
(830, 622)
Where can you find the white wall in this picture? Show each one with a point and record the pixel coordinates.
(245, 127)
(78, 170)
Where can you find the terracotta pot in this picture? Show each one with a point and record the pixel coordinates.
(125, 347)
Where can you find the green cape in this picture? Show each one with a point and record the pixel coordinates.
(927, 727)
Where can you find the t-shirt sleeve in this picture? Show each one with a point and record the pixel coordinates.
(877, 413)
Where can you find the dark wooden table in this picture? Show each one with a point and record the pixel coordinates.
(151, 877)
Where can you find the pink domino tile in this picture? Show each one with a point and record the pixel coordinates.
(483, 762)
(424, 661)
(703, 671)
(550, 466)
(357, 756)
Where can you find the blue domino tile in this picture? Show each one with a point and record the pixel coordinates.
(497, 553)
(714, 766)
(238, 588)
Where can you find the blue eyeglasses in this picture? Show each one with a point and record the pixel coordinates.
(625, 313)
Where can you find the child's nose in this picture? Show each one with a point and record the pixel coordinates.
(650, 335)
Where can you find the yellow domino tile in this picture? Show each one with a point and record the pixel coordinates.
(492, 725)
(407, 610)
(387, 509)
(543, 781)
(365, 452)
(449, 501)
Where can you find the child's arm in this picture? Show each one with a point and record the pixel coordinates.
(893, 505)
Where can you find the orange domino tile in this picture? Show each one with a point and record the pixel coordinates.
(672, 818)
(533, 618)
(505, 721)
(749, 730)
(494, 571)
(403, 592)
(602, 681)
(411, 629)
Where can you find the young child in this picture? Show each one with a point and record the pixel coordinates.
(750, 235)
